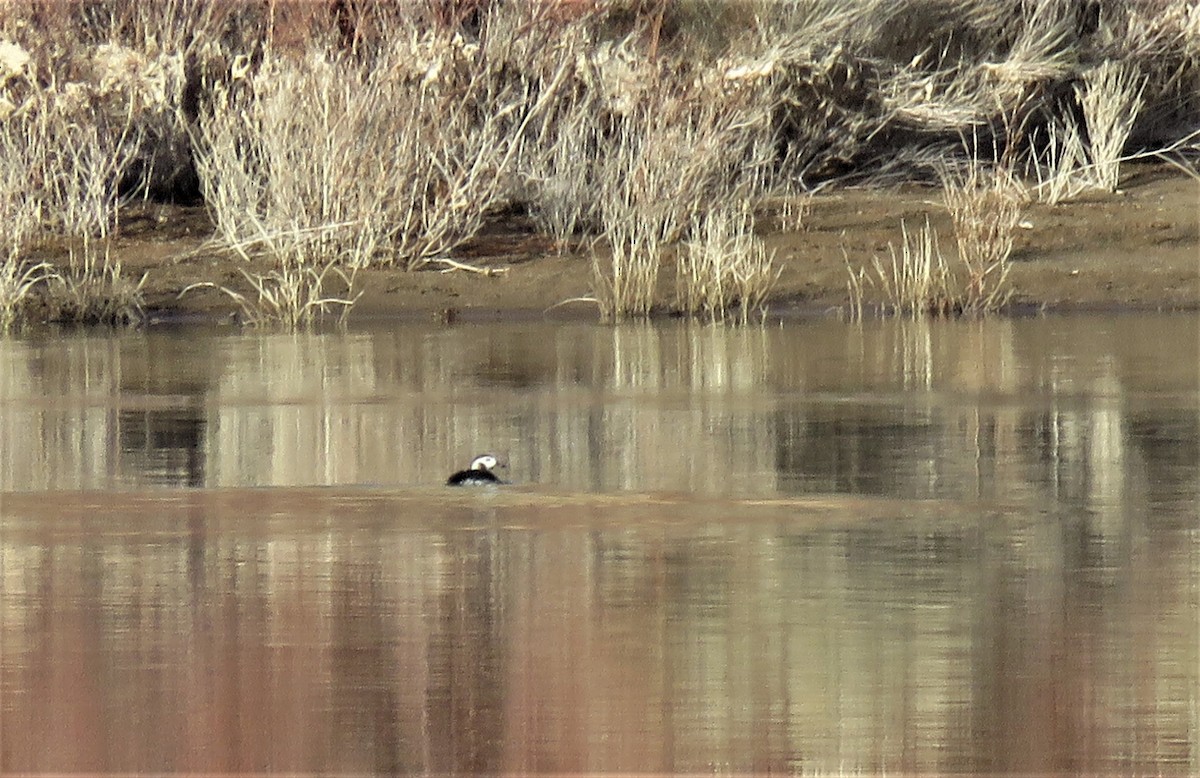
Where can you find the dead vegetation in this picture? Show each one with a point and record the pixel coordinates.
(326, 138)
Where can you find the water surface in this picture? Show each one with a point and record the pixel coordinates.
(897, 546)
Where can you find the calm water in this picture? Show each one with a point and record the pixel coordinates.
(896, 547)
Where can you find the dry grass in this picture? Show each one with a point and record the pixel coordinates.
(330, 137)
(291, 296)
(725, 265)
(61, 160)
(1111, 97)
(18, 281)
(560, 174)
(1060, 170)
(398, 159)
(624, 279)
(20, 216)
(281, 166)
(985, 205)
(1072, 162)
(95, 290)
(669, 163)
(915, 281)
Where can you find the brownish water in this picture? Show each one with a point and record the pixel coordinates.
(901, 547)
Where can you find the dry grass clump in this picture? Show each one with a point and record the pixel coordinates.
(19, 216)
(1084, 155)
(666, 163)
(290, 295)
(95, 290)
(560, 175)
(324, 161)
(72, 154)
(397, 159)
(62, 157)
(916, 281)
(18, 281)
(725, 265)
(1061, 167)
(1111, 98)
(985, 205)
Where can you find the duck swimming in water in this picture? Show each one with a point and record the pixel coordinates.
(478, 474)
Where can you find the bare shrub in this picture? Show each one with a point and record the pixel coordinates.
(62, 156)
(283, 163)
(825, 108)
(74, 155)
(561, 174)
(399, 159)
(985, 205)
(667, 162)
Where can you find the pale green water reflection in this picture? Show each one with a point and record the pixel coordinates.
(901, 547)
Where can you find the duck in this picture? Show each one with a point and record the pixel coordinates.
(478, 474)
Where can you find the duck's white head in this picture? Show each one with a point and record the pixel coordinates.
(484, 462)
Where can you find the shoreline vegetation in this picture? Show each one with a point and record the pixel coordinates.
(292, 162)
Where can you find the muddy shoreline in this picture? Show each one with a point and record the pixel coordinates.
(1136, 249)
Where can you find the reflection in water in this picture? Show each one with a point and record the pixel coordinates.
(916, 409)
(904, 547)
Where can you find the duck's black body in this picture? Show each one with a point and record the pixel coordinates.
(473, 478)
(478, 474)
